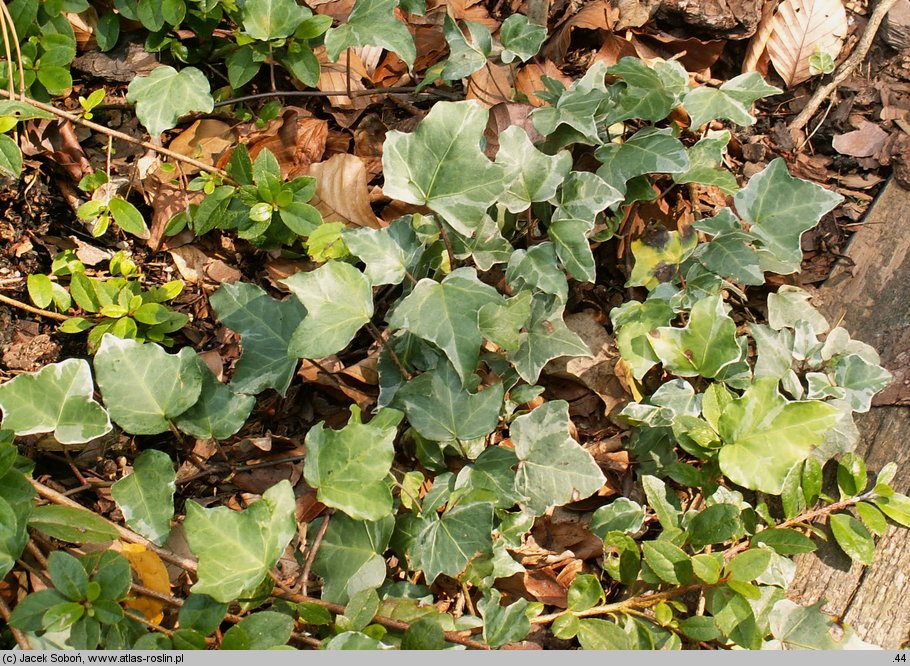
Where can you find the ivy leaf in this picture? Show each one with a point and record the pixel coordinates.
(705, 163)
(58, 399)
(350, 557)
(633, 321)
(339, 301)
(804, 627)
(649, 93)
(445, 544)
(583, 195)
(861, 379)
(372, 23)
(659, 254)
(532, 175)
(165, 94)
(348, 467)
(237, 549)
(704, 347)
(780, 208)
(145, 387)
(265, 326)
(520, 38)
(545, 337)
(219, 412)
(732, 101)
(731, 256)
(146, 497)
(465, 57)
(441, 165)
(446, 314)
(647, 151)
(492, 472)
(853, 538)
(537, 268)
(389, 253)
(553, 468)
(766, 436)
(486, 246)
(621, 515)
(440, 409)
(576, 107)
(501, 323)
(503, 625)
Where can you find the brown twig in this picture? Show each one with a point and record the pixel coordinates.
(400, 90)
(313, 550)
(377, 336)
(28, 308)
(73, 118)
(846, 68)
(21, 639)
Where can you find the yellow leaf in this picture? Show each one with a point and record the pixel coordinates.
(153, 574)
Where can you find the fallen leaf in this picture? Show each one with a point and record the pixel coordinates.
(153, 574)
(694, 54)
(295, 138)
(490, 85)
(865, 141)
(799, 30)
(529, 80)
(347, 74)
(205, 140)
(598, 15)
(341, 191)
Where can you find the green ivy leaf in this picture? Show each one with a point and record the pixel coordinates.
(706, 163)
(520, 38)
(389, 253)
(441, 409)
(73, 525)
(264, 20)
(646, 92)
(501, 323)
(503, 625)
(265, 326)
(731, 101)
(219, 413)
(58, 399)
(237, 549)
(445, 544)
(348, 467)
(633, 321)
(164, 95)
(441, 165)
(446, 314)
(805, 627)
(493, 473)
(621, 515)
(647, 151)
(372, 23)
(780, 208)
(766, 436)
(853, 538)
(704, 347)
(553, 468)
(350, 557)
(531, 174)
(545, 337)
(146, 497)
(144, 386)
(339, 301)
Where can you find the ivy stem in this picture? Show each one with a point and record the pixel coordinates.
(377, 336)
(313, 550)
(73, 118)
(649, 600)
(448, 243)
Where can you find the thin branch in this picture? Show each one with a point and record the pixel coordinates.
(73, 118)
(21, 639)
(28, 308)
(311, 553)
(433, 92)
(846, 68)
(377, 336)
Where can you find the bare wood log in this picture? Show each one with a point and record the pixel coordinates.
(871, 297)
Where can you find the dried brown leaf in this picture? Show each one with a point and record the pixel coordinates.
(800, 29)
(341, 191)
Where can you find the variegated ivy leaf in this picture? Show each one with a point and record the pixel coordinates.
(780, 208)
(570, 238)
(765, 436)
(537, 269)
(372, 23)
(553, 468)
(389, 253)
(731, 256)
(861, 380)
(164, 95)
(545, 337)
(649, 150)
(465, 57)
(486, 246)
(704, 347)
(441, 165)
(520, 38)
(583, 195)
(633, 321)
(731, 101)
(219, 413)
(339, 301)
(706, 163)
(531, 174)
(58, 399)
(264, 20)
(576, 107)
(658, 255)
(446, 543)
(646, 92)
(447, 314)
(146, 497)
(791, 305)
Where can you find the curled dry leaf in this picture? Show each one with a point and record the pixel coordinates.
(205, 140)
(530, 80)
(341, 191)
(865, 141)
(801, 28)
(295, 138)
(490, 85)
(336, 76)
(84, 25)
(598, 15)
